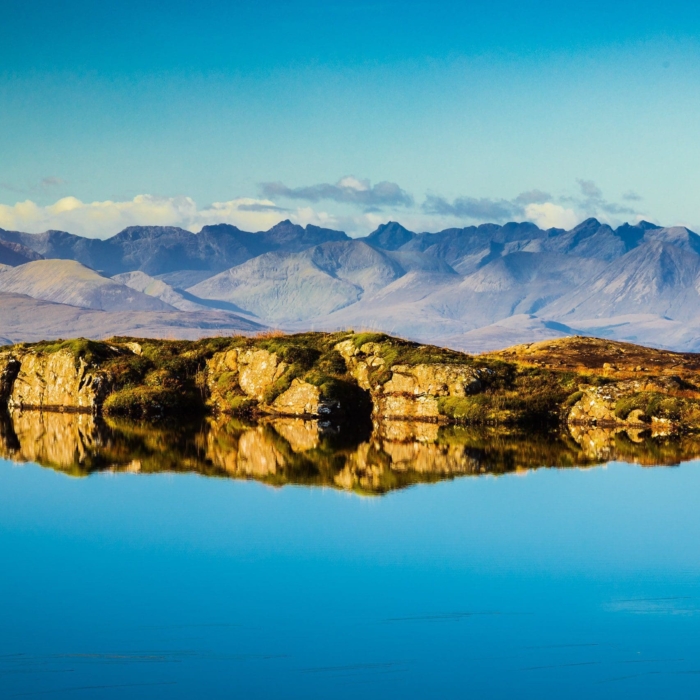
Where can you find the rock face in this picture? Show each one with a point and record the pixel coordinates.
(257, 371)
(433, 380)
(234, 376)
(412, 391)
(303, 399)
(57, 380)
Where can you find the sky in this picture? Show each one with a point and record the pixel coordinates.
(347, 114)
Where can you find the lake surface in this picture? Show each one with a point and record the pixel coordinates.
(403, 560)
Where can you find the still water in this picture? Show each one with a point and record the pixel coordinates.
(292, 560)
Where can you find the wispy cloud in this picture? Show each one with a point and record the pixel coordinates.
(43, 186)
(631, 196)
(472, 208)
(348, 190)
(261, 207)
(51, 181)
(533, 197)
(484, 209)
(590, 189)
(593, 203)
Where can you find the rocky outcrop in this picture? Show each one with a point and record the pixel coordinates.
(236, 375)
(361, 361)
(598, 405)
(433, 380)
(409, 391)
(57, 380)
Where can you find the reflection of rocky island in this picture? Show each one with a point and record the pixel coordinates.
(391, 455)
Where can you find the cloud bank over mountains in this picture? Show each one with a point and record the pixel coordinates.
(350, 204)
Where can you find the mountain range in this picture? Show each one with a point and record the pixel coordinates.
(475, 288)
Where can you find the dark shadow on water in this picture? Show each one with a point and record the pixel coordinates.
(371, 459)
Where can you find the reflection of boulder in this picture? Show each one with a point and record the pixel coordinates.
(426, 458)
(402, 453)
(221, 447)
(257, 455)
(302, 435)
(63, 440)
(364, 470)
(597, 443)
(241, 451)
(402, 430)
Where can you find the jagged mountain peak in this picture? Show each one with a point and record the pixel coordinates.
(646, 225)
(390, 236)
(285, 225)
(590, 223)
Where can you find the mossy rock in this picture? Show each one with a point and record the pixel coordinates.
(573, 398)
(148, 402)
(92, 352)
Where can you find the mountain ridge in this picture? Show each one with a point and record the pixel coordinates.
(458, 285)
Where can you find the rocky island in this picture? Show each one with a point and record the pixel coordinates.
(351, 376)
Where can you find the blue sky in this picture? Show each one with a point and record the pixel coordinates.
(188, 113)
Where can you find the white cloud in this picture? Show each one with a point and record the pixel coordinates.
(104, 219)
(354, 184)
(549, 215)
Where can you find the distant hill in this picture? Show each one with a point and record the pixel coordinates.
(24, 319)
(69, 282)
(152, 287)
